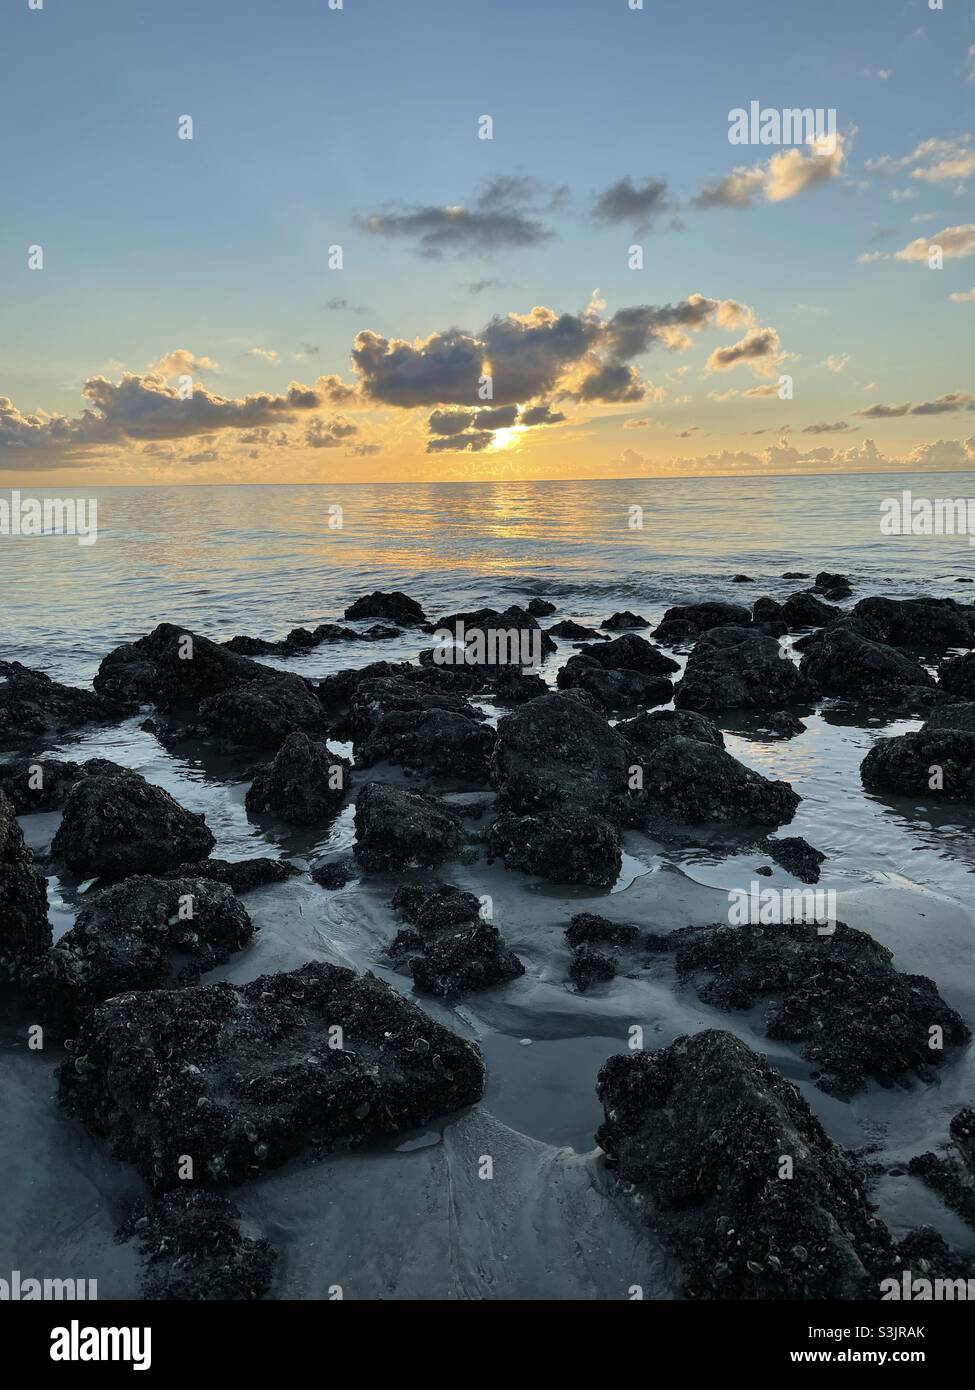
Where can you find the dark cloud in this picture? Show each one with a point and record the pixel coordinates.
(328, 434)
(613, 381)
(883, 412)
(637, 204)
(479, 286)
(841, 427)
(506, 212)
(540, 415)
(342, 306)
(451, 422)
(446, 368)
(473, 442)
(946, 405)
(759, 345)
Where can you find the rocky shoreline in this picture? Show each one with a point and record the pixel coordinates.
(205, 1085)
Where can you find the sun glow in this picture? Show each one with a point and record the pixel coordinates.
(506, 438)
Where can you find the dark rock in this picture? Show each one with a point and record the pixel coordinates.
(676, 632)
(925, 1255)
(263, 713)
(588, 967)
(922, 624)
(647, 732)
(451, 950)
(767, 610)
(375, 700)
(557, 754)
(564, 847)
(702, 1127)
(395, 607)
(957, 676)
(501, 634)
(194, 1250)
(240, 875)
(743, 579)
(697, 783)
(334, 873)
(620, 622)
(846, 664)
(243, 1078)
(399, 829)
(514, 686)
(40, 784)
(145, 933)
(540, 608)
(116, 824)
(952, 1176)
(562, 777)
(589, 929)
(804, 610)
(836, 993)
(175, 669)
(304, 784)
(576, 632)
(36, 709)
(750, 674)
(781, 723)
(337, 690)
(704, 615)
(797, 856)
(960, 717)
(436, 742)
(631, 653)
(25, 932)
(826, 580)
(835, 595)
(795, 574)
(614, 689)
(934, 762)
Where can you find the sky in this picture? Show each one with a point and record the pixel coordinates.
(338, 278)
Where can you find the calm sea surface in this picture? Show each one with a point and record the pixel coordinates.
(260, 560)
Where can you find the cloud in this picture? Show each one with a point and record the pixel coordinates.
(639, 205)
(754, 392)
(181, 362)
(758, 349)
(933, 161)
(328, 434)
(946, 405)
(836, 361)
(963, 297)
(343, 306)
(883, 412)
(363, 449)
(786, 458)
(784, 176)
(474, 442)
(643, 423)
(146, 408)
(479, 286)
(841, 427)
(264, 354)
(871, 257)
(955, 242)
(504, 215)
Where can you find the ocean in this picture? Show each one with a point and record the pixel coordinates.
(410, 1218)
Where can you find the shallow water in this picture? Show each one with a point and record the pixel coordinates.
(412, 1218)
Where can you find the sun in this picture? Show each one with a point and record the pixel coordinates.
(506, 438)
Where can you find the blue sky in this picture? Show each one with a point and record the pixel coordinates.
(307, 121)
